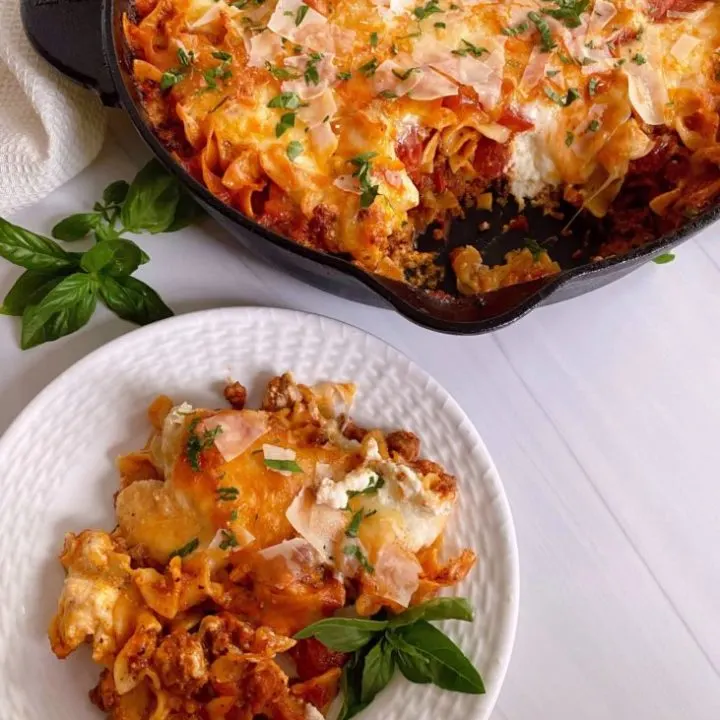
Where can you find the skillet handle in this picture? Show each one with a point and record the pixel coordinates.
(68, 34)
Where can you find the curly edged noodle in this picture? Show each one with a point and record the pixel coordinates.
(351, 126)
(238, 528)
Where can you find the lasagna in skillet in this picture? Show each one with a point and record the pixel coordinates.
(353, 126)
(236, 529)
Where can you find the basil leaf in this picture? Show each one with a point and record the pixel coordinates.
(75, 227)
(343, 634)
(151, 200)
(116, 192)
(444, 608)
(377, 671)
(105, 231)
(33, 252)
(187, 212)
(351, 686)
(65, 309)
(410, 662)
(29, 289)
(112, 257)
(133, 300)
(447, 664)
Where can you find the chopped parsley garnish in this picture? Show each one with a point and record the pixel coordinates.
(388, 94)
(354, 525)
(516, 30)
(185, 58)
(552, 73)
(302, 11)
(228, 539)
(239, 4)
(586, 61)
(572, 96)
(440, 25)
(285, 465)
(355, 551)
(639, 59)
(286, 122)
(227, 493)
(562, 100)
(197, 443)
(569, 138)
(311, 74)
(592, 86)
(344, 75)
(211, 75)
(373, 39)
(233, 516)
(287, 100)
(185, 549)
(170, 78)
(620, 62)
(369, 68)
(404, 74)
(467, 48)
(363, 167)
(280, 73)
(423, 11)
(294, 149)
(564, 59)
(568, 11)
(546, 39)
(594, 126)
(222, 55)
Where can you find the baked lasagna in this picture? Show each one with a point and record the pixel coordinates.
(237, 528)
(355, 126)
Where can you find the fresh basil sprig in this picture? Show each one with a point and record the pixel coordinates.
(408, 641)
(58, 292)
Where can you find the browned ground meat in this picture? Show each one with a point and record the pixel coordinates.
(404, 443)
(180, 662)
(236, 394)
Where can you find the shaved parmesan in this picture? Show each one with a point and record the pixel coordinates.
(480, 76)
(323, 138)
(262, 47)
(298, 554)
(684, 46)
(311, 31)
(324, 69)
(647, 92)
(208, 17)
(320, 525)
(237, 431)
(603, 12)
(534, 70)
(397, 574)
(431, 85)
(318, 109)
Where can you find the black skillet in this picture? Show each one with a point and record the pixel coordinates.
(83, 39)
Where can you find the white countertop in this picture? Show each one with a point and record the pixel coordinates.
(602, 414)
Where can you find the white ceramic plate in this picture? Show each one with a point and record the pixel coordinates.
(57, 474)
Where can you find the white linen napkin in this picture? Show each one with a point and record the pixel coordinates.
(50, 128)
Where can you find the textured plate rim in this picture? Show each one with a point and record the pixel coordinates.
(507, 632)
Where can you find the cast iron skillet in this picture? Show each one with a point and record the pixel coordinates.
(83, 39)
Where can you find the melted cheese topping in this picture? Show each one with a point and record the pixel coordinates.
(315, 98)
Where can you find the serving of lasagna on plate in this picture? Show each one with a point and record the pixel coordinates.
(353, 126)
(238, 528)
